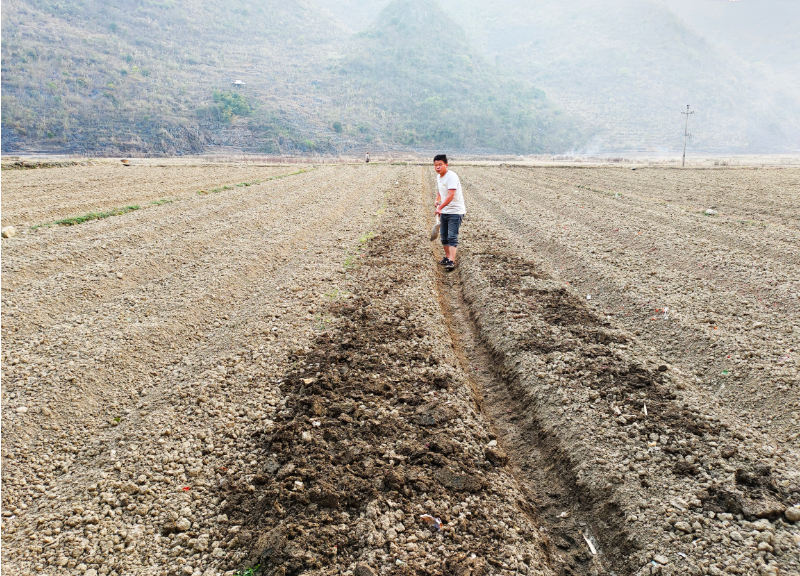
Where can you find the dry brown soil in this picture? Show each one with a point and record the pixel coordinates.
(280, 375)
(41, 196)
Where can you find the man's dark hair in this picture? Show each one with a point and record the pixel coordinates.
(441, 158)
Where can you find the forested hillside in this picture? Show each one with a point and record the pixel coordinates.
(156, 77)
(415, 71)
(101, 75)
(627, 68)
(334, 76)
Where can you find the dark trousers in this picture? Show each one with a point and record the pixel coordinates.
(450, 223)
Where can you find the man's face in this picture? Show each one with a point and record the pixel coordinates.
(440, 167)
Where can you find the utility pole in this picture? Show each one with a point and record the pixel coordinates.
(686, 134)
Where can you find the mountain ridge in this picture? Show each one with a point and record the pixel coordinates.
(155, 78)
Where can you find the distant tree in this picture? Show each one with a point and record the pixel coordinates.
(337, 126)
(227, 105)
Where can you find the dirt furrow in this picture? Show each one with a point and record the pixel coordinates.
(754, 194)
(279, 375)
(727, 335)
(669, 480)
(661, 472)
(538, 464)
(381, 430)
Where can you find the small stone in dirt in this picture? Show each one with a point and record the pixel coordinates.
(169, 527)
(455, 481)
(22, 409)
(561, 543)
(183, 524)
(685, 469)
(792, 514)
(496, 456)
(727, 451)
(711, 212)
(393, 480)
(661, 559)
(130, 488)
(363, 570)
(272, 466)
(9, 231)
(286, 470)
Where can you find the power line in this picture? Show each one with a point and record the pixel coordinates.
(686, 134)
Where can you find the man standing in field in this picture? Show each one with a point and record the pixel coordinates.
(450, 207)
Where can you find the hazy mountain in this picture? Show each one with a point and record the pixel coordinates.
(355, 14)
(156, 77)
(760, 32)
(337, 75)
(416, 73)
(628, 68)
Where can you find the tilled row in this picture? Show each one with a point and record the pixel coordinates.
(380, 462)
(671, 483)
(767, 196)
(38, 197)
(719, 304)
(119, 416)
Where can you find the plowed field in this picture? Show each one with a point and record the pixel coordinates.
(278, 374)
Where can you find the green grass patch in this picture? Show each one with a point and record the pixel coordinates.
(352, 260)
(96, 216)
(249, 571)
(752, 223)
(161, 202)
(253, 183)
(73, 220)
(323, 321)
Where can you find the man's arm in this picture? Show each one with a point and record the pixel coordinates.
(450, 195)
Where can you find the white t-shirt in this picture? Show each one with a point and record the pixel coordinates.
(450, 181)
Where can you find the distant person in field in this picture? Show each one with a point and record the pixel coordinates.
(367, 158)
(450, 208)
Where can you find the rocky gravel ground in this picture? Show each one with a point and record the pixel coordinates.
(278, 375)
(131, 349)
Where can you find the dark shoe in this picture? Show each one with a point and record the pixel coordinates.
(444, 261)
(450, 265)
